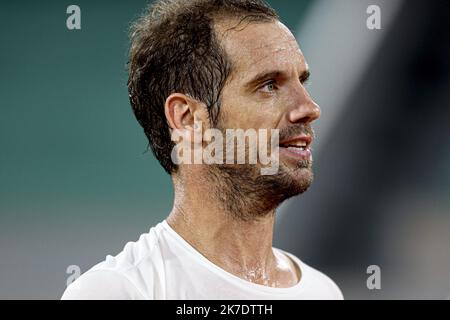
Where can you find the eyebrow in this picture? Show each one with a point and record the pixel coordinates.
(266, 75)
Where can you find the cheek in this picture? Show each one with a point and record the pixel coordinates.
(267, 113)
(251, 116)
(250, 111)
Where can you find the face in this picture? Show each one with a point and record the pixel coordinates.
(266, 91)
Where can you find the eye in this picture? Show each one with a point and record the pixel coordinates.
(269, 87)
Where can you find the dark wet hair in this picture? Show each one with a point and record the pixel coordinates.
(174, 48)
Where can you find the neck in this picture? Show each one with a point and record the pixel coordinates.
(240, 246)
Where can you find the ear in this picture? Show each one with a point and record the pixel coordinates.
(185, 114)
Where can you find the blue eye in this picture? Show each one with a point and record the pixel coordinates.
(269, 87)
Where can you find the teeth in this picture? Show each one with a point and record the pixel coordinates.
(299, 144)
(297, 148)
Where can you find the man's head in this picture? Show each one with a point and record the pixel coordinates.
(231, 65)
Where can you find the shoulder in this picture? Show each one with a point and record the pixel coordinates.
(102, 285)
(323, 284)
(319, 285)
(135, 273)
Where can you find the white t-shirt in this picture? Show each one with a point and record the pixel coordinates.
(162, 265)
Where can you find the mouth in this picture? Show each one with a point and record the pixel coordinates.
(297, 147)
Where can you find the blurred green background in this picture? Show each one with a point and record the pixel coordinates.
(76, 178)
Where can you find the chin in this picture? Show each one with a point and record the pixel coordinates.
(301, 177)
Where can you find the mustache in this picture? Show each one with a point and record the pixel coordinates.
(296, 130)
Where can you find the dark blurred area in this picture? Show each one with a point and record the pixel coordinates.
(382, 190)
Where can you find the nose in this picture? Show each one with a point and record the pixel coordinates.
(305, 109)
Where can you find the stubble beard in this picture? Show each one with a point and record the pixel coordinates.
(247, 195)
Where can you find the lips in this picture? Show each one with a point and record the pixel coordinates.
(297, 147)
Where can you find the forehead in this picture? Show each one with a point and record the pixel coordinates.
(258, 46)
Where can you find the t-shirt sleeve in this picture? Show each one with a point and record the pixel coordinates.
(102, 285)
